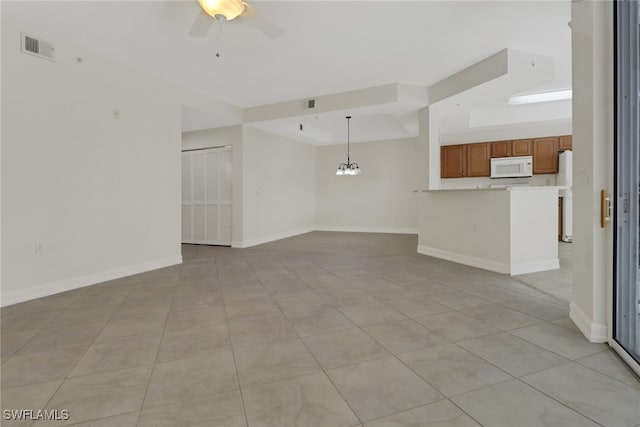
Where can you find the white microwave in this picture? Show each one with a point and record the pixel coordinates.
(511, 167)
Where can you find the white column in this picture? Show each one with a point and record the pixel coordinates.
(429, 148)
(428, 165)
(592, 64)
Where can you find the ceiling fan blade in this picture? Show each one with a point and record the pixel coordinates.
(261, 23)
(202, 25)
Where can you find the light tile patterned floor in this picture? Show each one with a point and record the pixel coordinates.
(324, 329)
(556, 283)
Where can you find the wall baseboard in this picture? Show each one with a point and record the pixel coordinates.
(490, 265)
(259, 241)
(90, 279)
(390, 230)
(595, 332)
(534, 267)
(465, 259)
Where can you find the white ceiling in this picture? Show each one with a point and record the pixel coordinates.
(329, 128)
(327, 47)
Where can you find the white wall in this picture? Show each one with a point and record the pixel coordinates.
(502, 133)
(101, 194)
(534, 230)
(467, 226)
(381, 199)
(208, 138)
(279, 187)
(507, 231)
(592, 45)
(220, 137)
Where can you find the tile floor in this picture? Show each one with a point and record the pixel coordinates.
(323, 329)
(556, 283)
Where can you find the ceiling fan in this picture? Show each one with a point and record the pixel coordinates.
(227, 10)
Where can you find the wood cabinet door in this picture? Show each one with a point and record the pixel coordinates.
(500, 149)
(522, 147)
(565, 143)
(479, 159)
(545, 155)
(452, 161)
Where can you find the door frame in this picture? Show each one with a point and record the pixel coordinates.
(612, 240)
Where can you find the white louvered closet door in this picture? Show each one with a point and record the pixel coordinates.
(206, 196)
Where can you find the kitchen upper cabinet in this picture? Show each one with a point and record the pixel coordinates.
(500, 149)
(474, 160)
(479, 159)
(522, 147)
(452, 161)
(565, 143)
(545, 155)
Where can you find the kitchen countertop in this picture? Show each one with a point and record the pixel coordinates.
(506, 187)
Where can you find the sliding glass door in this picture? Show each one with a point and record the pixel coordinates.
(626, 314)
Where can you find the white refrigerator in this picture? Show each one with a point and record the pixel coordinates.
(565, 178)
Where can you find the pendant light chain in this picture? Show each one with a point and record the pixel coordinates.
(348, 134)
(219, 19)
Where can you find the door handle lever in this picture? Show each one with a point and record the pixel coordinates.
(605, 208)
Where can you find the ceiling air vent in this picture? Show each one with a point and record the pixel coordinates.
(311, 103)
(37, 47)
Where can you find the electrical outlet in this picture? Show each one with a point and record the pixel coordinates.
(116, 114)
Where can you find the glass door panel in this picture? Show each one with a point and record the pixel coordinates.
(626, 331)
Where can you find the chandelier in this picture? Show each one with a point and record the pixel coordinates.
(348, 168)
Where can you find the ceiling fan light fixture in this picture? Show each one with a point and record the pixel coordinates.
(229, 9)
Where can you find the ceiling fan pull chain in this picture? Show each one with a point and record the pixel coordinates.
(218, 53)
